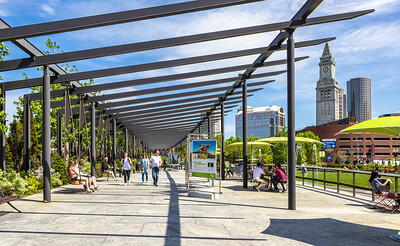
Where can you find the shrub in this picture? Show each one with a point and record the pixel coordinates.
(16, 181)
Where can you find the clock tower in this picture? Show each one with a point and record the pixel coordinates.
(327, 91)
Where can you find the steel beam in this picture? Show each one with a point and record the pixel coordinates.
(160, 124)
(168, 115)
(151, 91)
(170, 42)
(94, 21)
(144, 113)
(46, 135)
(19, 84)
(32, 51)
(165, 103)
(171, 121)
(142, 108)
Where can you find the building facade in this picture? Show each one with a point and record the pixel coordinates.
(342, 104)
(262, 122)
(327, 90)
(365, 147)
(359, 98)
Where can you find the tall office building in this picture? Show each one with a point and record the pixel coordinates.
(359, 98)
(262, 122)
(327, 91)
(342, 104)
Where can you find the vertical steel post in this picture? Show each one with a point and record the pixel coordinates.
(3, 135)
(126, 140)
(244, 116)
(354, 184)
(209, 126)
(27, 134)
(181, 154)
(114, 146)
(134, 146)
(46, 136)
(59, 133)
(222, 165)
(291, 160)
(93, 138)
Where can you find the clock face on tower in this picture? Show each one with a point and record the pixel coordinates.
(325, 69)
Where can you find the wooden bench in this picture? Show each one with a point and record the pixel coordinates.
(8, 199)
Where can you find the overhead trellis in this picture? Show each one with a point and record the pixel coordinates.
(171, 133)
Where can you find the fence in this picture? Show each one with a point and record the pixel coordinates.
(338, 182)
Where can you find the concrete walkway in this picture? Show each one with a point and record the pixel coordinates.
(147, 215)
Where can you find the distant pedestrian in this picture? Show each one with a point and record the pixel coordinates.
(144, 167)
(155, 161)
(126, 165)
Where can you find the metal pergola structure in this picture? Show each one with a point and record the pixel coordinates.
(186, 112)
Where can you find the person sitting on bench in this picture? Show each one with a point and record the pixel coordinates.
(92, 179)
(108, 169)
(74, 174)
(258, 171)
(279, 177)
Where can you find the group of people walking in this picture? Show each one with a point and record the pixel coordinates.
(145, 164)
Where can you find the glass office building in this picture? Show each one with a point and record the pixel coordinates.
(262, 122)
(359, 98)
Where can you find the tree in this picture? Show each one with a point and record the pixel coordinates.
(36, 106)
(309, 147)
(338, 160)
(3, 53)
(280, 149)
(16, 143)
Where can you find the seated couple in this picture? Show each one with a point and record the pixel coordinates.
(76, 174)
(279, 176)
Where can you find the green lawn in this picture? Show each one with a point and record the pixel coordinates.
(345, 178)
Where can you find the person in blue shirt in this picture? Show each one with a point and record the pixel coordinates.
(378, 183)
(144, 167)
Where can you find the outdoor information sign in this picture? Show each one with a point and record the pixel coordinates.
(204, 158)
(329, 143)
(322, 154)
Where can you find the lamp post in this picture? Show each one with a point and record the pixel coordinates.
(395, 154)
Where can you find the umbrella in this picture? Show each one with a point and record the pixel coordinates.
(385, 125)
(285, 139)
(251, 145)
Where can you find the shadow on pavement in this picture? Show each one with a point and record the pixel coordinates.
(327, 231)
(173, 236)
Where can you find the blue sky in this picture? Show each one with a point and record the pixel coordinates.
(368, 46)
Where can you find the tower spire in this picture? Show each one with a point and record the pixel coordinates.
(327, 50)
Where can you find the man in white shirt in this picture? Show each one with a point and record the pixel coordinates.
(155, 161)
(258, 171)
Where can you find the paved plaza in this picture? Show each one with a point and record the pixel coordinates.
(146, 215)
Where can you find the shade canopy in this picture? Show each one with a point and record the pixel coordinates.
(285, 140)
(239, 145)
(385, 125)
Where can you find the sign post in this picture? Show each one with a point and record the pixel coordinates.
(204, 158)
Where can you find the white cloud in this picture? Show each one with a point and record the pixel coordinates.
(48, 9)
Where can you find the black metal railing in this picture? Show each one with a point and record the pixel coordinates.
(339, 184)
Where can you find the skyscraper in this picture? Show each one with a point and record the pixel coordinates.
(359, 98)
(262, 122)
(327, 91)
(342, 104)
